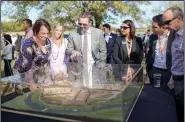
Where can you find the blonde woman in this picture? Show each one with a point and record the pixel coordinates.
(58, 47)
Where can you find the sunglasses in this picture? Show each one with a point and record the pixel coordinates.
(124, 27)
(168, 21)
(85, 25)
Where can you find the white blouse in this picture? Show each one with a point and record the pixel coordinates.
(7, 52)
(57, 57)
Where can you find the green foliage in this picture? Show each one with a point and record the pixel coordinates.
(11, 26)
(61, 12)
(67, 12)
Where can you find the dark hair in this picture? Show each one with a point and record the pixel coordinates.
(118, 30)
(131, 25)
(107, 26)
(86, 15)
(28, 21)
(38, 24)
(158, 19)
(176, 11)
(8, 38)
(148, 30)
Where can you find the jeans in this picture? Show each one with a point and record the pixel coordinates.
(179, 99)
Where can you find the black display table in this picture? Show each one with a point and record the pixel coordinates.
(155, 105)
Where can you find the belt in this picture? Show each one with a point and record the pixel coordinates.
(160, 69)
(178, 77)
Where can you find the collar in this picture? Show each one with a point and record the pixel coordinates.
(181, 32)
(89, 31)
(168, 33)
(29, 29)
(107, 34)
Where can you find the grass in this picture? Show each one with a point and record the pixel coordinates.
(18, 103)
(4, 86)
(2, 67)
(111, 114)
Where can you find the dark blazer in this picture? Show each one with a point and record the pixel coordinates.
(120, 54)
(151, 53)
(110, 46)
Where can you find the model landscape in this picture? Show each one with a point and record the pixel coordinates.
(63, 93)
(111, 101)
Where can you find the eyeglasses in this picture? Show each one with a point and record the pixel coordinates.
(168, 21)
(84, 25)
(124, 27)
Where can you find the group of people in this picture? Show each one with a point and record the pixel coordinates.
(165, 54)
(164, 49)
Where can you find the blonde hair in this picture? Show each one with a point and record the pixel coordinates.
(62, 35)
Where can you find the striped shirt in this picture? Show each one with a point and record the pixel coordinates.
(178, 53)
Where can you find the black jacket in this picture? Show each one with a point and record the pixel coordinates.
(110, 46)
(120, 54)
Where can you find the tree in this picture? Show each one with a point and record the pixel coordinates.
(176, 3)
(67, 12)
(11, 26)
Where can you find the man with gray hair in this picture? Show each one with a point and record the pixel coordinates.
(173, 18)
(87, 43)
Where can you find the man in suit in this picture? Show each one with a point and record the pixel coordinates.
(146, 41)
(159, 55)
(27, 25)
(110, 39)
(88, 43)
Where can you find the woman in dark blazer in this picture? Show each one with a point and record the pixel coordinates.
(128, 48)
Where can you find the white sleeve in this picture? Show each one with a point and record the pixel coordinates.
(7, 49)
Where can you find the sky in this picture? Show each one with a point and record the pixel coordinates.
(34, 14)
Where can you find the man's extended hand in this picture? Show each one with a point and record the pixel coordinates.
(75, 54)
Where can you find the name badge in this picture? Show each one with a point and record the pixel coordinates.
(123, 42)
(110, 37)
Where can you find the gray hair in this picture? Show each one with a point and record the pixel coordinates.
(86, 15)
(176, 11)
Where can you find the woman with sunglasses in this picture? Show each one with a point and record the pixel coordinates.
(128, 48)
(58, 47)
(34, 53)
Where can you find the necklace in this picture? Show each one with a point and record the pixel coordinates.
(129, 47)
(57, 52)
